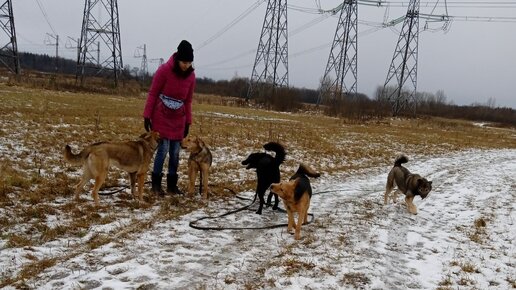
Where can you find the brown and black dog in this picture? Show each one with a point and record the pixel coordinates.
(199, 161)
(296, 194)
(134, 157)
(409, 184)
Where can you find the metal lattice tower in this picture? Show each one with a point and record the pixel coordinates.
(95, 33)
(400, 86)
(141, 51)
(270, 68)
(341, 68)
(8, 49)
(144, 67)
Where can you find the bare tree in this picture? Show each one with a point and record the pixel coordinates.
(440, 97)
(491, 103)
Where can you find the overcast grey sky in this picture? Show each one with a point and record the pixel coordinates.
(471, 62)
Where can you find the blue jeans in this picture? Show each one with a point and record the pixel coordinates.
(172, 148)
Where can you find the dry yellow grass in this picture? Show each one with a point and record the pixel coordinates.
(36, 184)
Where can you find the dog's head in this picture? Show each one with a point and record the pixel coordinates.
(285, 189)
(151, 138)
(192, 144)
(255, 160)
(423, 187)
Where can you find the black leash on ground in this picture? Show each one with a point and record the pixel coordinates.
(122, 187)
(193, 224)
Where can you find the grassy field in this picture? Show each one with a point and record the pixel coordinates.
(36, 185)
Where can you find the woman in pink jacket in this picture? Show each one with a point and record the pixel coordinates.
(168, 110)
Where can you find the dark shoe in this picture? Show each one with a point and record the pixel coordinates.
(172, 184)
(156, 184)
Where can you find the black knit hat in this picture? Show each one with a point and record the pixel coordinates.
(184, 51)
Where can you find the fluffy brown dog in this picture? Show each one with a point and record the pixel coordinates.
(296, 194)
(199, 161)
(409, 184)
(133, 157)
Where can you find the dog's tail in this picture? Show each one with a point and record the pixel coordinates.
(278, 149)
(306, 170)
(75, 159)
(400, 159)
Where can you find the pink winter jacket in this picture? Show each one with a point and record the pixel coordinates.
(170, 123)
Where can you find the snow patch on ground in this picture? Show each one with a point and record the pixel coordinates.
(354, 241)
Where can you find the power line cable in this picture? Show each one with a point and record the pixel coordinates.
(484, 19)
(380, 3)
(292, 33)
(246, 53)
(454, 4)
(231, 24)
(304, 9)
(375, 25)
(428, 3)
(229, 68)
(401, 4)
(326, 45)
(19, 35)
(46, 16)
(309, 24)
(293, 55)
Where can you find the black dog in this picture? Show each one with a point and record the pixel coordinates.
(267, 171)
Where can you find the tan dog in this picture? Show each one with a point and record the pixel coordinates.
(409, 184)
(199, 161)
(133, 157)
(296, 194)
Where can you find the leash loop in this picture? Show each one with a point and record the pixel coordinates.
(193, 224)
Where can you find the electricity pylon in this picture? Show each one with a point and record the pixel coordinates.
(144, 68)
(400, 86)
(106, 32)
(8, 49)
(340, 76)
(270, 70)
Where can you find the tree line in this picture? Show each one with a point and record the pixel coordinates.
(358, 107)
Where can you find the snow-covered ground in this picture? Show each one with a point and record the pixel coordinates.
(463, 237)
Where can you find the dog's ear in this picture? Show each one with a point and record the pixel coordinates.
(430, 182)
(201, 143)
(294, 183)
